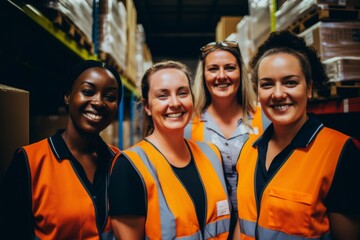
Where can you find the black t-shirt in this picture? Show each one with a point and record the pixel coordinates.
(343, 196)
(127, 191)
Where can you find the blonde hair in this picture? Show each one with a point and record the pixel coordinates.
(246, 95)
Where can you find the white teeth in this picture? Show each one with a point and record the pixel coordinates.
(280, 107)
(93, 116)
(224, 85)
(174, 115)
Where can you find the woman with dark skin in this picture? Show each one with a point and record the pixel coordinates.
(57, 188)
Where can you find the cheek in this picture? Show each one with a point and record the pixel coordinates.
(262, 95)
(209, 77)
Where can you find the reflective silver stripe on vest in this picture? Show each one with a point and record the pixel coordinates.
(168, 227)
(188, 130)
(195, 236)
(264, 120)
(213, 229)
(215, 162)
(107, 236)
(248, 228)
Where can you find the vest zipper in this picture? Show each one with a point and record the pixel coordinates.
(258, 203)
(205, 195)
(87, 190)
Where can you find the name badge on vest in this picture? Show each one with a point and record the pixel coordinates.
(255, 130)
(222, 208)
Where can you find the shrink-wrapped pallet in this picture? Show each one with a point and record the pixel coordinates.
(343, 68)
(112, 31)
(78, 11)
(260, 13)
(245, 39)
(334, 39)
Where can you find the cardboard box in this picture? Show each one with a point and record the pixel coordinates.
(14, 119)
(45, 126)
(111, 133)
(226, 26)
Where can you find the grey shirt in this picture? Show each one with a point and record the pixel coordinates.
(229, 148)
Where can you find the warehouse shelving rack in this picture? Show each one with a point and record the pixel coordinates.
(35, 55)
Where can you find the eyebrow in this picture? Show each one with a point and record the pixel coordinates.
(286, 77)
(93, 85)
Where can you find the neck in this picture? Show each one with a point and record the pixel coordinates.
(284, 134)
(82, 143)
(172, 146)
(226, 110)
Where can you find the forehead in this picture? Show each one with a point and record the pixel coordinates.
(95, 74)
(168, 77)
(280, 60)
(220, 56)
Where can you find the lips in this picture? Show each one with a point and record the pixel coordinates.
(222, 85)
(281, 107)
(174, 115)
(93, 116)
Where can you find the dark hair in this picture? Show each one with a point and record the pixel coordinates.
(86, 64)
(287, 42)
(148, 126)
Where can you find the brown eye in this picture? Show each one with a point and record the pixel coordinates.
(87, 92)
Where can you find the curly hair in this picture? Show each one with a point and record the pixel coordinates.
(285, 41)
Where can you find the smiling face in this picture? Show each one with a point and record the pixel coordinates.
(282, 89)
(222, 75)
(92, 101)
(169, 100)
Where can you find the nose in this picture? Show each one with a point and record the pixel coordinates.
(279, 92)
(174, 102)
(221, 74)
(97, 101)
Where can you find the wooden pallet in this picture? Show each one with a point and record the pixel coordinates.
(316, 14)
(64, 23)
(342, 89)
(107, 58)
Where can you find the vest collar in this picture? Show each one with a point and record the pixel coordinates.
(302, 139)
(62, 152)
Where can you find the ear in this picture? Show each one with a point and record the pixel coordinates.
(67, 98)
(309, 90)
(146, 108)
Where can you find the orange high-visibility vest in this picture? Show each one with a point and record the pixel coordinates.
(197, 126)
(170, 211)
(61, 206)
(292, 205)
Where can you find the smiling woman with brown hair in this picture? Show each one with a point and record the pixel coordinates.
(167, 187)
(300, 179)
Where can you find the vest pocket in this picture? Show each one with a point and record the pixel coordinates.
(289, 211)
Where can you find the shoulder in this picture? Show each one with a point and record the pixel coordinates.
(332, 137)
(37, 145)
(114, 149)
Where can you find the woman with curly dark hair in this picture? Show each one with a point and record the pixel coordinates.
(300, 179)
